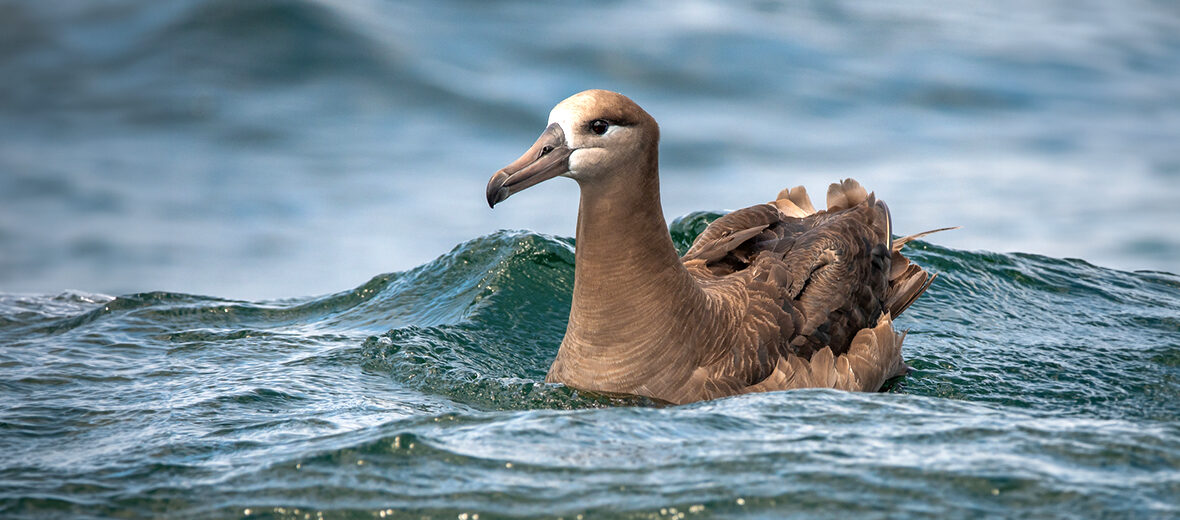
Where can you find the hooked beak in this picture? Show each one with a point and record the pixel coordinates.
(546, 159)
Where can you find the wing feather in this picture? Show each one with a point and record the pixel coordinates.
(817, 292)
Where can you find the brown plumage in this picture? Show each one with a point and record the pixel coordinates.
(771, 297)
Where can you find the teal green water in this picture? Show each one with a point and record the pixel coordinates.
(1042, 387)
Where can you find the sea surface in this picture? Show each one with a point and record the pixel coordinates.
(247, 268)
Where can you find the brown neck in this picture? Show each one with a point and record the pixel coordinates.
(627, 273)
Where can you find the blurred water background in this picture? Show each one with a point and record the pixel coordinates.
(221, 289)
(281, 148)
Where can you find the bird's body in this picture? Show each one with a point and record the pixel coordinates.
(771, 297)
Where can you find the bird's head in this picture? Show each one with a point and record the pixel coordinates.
(593, 136)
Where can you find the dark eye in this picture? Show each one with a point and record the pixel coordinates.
(599, 126)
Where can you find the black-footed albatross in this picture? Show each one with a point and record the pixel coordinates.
(771, 297)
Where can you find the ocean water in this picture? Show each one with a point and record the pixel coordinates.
(1042, 387)
(247, 268)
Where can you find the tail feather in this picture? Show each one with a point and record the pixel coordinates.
(907, 281)
(845, 194)
(907, 290)
(794, 202)
(875, 355)
(903, 240)
(799, 196)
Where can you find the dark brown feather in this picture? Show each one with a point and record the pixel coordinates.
(832, 275)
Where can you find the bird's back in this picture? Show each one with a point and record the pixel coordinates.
(799, 281)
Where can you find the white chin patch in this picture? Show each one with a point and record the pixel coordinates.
(574, 163)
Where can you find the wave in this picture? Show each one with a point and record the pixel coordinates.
(424, 391)
(481, 324)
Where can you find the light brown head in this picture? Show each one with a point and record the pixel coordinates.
(593, 136)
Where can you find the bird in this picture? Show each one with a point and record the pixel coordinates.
(776, 296)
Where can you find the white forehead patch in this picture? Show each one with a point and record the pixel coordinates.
(565, 118)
